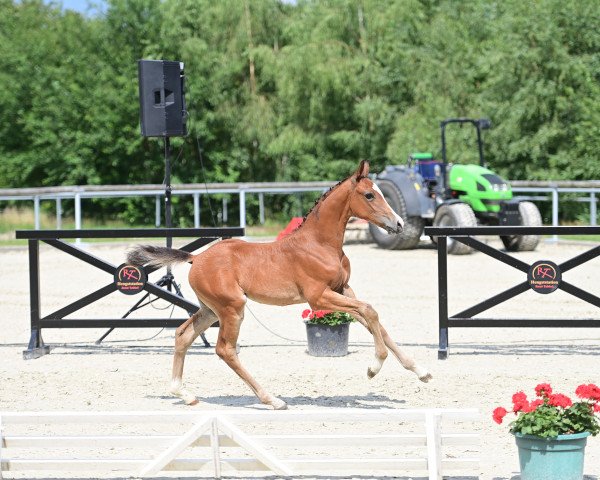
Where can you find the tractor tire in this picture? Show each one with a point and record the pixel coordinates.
(455, 215)
(530, 217)
(413, 226)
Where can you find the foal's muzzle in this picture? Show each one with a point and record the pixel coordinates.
(393, 225)
(394, 230)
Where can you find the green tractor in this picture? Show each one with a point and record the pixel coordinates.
(430, 192)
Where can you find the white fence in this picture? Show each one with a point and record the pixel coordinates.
(379, 442)
(78, 193)
(583, 191)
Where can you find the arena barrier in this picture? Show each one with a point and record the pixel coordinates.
(135, 284)
(542, 276)
(322, 441)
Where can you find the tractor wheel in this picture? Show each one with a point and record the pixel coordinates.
(531, 217)
(413, 226)
(455, 215)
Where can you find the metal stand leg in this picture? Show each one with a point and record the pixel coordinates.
(36, 347)
(443, 298)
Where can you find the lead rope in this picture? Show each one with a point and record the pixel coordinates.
(271, 331)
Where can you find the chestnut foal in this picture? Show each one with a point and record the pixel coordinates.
(307, 266)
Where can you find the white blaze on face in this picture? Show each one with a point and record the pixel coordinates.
(398, 217)
(377, 189)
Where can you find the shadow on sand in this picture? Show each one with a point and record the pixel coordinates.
(371, 401)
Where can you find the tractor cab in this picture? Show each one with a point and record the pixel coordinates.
(427, 191)
(432, 171)
(424, 164)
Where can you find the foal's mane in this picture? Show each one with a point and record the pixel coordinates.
(324, 196)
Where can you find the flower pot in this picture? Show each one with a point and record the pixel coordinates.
(558, 458)
(327, 340)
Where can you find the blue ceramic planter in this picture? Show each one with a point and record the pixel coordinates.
(558, 458)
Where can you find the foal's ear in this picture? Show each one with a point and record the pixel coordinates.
(362, 171)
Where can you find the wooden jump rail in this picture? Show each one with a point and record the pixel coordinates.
(186, 441)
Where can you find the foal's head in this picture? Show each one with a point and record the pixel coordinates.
(367, 202)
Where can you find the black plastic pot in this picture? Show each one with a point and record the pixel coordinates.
(327, 340)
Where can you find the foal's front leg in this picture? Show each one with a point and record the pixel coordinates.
(364, 313)
(406, 360)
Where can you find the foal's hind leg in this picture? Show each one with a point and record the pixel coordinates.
(230, 319)
(406, 360)
(184, 337)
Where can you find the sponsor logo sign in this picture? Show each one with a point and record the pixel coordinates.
(130, 279)
(544, 276)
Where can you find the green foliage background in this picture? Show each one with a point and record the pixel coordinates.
(280, 91)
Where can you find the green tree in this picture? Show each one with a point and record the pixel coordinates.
(279, 91)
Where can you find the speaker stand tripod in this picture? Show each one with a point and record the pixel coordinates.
(167, 280)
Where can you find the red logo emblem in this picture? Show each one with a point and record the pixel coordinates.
(130, 279)
(544, 276)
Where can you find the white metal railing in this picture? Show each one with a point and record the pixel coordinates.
(585, 191)
(332, 441)
(78, 193)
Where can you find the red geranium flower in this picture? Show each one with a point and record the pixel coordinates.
(582, 391)
(553, 414)
(543, 390)
(520, 402)
(536, 403)
(326, 317)
(559, 400)
(498, 414)
(519, 397)
(590, 391)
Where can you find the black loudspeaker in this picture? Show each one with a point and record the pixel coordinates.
(162, 101)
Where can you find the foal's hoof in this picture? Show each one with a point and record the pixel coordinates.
(371, 373)
(422, 373)
(192, 402)
(278, 404)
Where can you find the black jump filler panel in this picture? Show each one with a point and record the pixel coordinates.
(127, 279)
(543, 276)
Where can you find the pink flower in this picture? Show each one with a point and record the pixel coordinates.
(306, 313)
(499, 414)
(543, 390)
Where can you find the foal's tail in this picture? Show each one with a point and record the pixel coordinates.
(157, 256)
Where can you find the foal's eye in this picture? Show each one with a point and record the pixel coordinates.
(369, 196)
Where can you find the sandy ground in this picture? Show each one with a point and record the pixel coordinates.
(131, 369)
